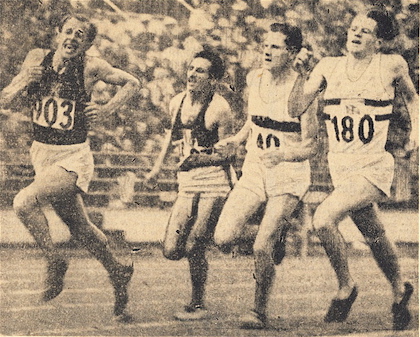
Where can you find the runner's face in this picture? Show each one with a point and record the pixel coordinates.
(198, 76)
(72, 40)
(275, 51)
(361, 36)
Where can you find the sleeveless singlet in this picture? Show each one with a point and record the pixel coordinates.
(59, 101)
(357, 112)
(272, 126)
(195, 136)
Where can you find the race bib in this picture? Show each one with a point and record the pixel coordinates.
(54, 112)
(353, 122)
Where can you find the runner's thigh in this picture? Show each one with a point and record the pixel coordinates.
(239, 207)
(179, 224)
(277, 212)
(345, 199)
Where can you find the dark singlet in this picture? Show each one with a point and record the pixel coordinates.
(59, 102)
(204, 137)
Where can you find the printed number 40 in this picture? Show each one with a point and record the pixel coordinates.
(365, 129)
(268, 141)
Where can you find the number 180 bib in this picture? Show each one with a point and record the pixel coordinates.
(352, 126)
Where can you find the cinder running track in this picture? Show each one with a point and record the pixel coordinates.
(302, 292)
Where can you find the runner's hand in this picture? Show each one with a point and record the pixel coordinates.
(33, 74)
(94, 113)
(301, 63)
(150, 181)
(226, 147)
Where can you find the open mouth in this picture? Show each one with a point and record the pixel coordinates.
(267, 60)
(70, 47)
(356, 42)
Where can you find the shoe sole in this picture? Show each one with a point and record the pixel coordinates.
(121, 291)
(400, 312)
(339, 309)
(57, 280)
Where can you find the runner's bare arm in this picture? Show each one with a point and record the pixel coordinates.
(226, 144)
(31, 71)
(242, 135)
(410, 96)
(166, 145)
(306, 89)
(100, 70)
(225, 121)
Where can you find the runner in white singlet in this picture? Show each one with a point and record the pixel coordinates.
(358, 97)
(276, 169)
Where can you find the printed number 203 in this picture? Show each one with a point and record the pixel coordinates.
(54, 112)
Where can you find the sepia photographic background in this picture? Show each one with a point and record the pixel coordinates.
(154, 40)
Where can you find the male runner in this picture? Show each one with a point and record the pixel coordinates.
(358, 92)
(276, 168)
(201, 117)
(59, 83)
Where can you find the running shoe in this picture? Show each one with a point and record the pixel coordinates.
(253, 320)
(401, 314)
(192, 313)
(120, 279)
(339, 309)
(54, 282)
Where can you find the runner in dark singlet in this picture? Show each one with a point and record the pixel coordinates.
(59, 82)
(200, 118)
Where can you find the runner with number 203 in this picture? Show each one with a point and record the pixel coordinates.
(54, 112)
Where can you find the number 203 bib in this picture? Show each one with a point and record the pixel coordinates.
(54, 112)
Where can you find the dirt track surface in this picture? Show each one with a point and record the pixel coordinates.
(159, 288)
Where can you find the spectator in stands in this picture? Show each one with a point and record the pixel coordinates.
(358, 95)
(276, 170)
(200, 117)
(60, 82)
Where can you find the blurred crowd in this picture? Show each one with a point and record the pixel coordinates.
(156, 48)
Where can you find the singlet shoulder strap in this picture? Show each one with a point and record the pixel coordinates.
(177, 124)
(47, 61)
(202, 113)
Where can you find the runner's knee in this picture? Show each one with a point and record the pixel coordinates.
(173, 249)
(24, 202)
(223, 238)
(323, 218)
(262, 247)
(173, 254)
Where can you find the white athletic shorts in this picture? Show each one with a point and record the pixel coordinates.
(376, 168)
(285, 178)
(210, 181)
(74, 158)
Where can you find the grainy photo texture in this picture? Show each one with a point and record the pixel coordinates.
(209, 168)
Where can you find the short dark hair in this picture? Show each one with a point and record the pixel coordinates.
(217, 68)
(293, 35)
(91, 32)
(386, 26)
